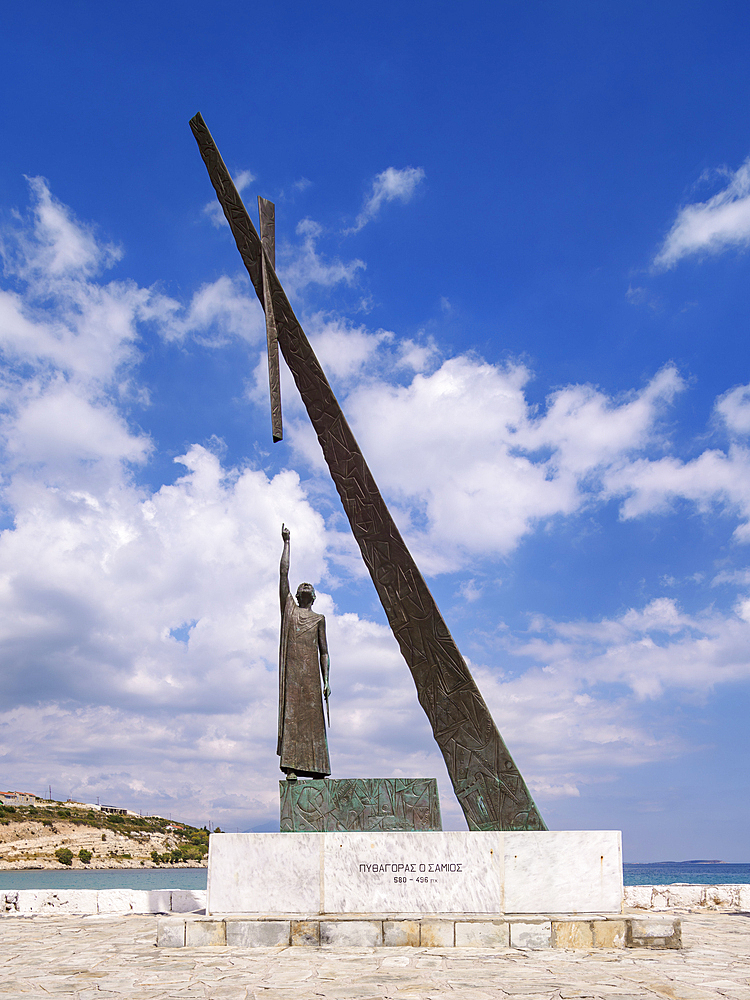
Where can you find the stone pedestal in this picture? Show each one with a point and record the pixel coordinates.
(357, 804)
(333, 932)
(407, 874)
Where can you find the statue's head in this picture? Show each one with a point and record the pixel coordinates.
(305, 595)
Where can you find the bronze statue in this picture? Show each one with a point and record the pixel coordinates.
(303, 656)
(488, 785)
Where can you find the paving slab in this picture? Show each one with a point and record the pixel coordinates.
(116, 956)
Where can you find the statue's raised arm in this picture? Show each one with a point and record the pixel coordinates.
(284, 568)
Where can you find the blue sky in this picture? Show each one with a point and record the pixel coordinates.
(517, 236)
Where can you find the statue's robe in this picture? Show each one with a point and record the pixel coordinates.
(302, 744)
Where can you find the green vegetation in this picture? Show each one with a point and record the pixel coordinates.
(192, 843)
(64, 855)
(85, 855)
(186, 852)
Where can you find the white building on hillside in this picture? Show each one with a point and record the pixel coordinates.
(17, 799)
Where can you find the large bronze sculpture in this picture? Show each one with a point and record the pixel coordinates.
(303, 657)
(488, 785)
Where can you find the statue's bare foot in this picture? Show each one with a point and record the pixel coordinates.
(291, 776)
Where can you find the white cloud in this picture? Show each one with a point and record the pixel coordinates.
(390, 185)
(462, 448)
(243, 179)
(734, 409)
(139, 627)
(651, 649)
(714, 481)
(344, 350)
(579, 707)
(302, 265)
(58, 426)
(91, 587)
(97, 694)
(711, 226)
(218, 312)
(58, 317)
(419, 356)
(58, 245)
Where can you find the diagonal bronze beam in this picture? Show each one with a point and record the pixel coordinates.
(488, 785)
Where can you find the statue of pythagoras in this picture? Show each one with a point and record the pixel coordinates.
(489, 786)
(303, 657)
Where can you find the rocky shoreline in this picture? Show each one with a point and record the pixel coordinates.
(79, 866)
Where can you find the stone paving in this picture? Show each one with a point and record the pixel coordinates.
(102, 956)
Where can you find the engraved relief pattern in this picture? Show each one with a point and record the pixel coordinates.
(488, 785)
(359, 804)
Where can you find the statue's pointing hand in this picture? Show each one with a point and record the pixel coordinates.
(285, 533)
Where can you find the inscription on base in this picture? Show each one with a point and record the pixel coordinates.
(414, 873)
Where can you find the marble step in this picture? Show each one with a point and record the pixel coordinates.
(445, 931)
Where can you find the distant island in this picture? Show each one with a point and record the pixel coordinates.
(659, 864)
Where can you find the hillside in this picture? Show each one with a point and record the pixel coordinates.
(30, 836)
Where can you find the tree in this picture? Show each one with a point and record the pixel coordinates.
(64, 855)
(85, 855)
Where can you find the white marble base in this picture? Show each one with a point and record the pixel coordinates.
(564, 871)
(293, 874)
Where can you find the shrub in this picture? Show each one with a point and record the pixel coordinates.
(85, 855)
(166, 858)
(64, 855)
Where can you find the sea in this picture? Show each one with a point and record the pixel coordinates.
(104, 878)
(657, 873)
(690, 872)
